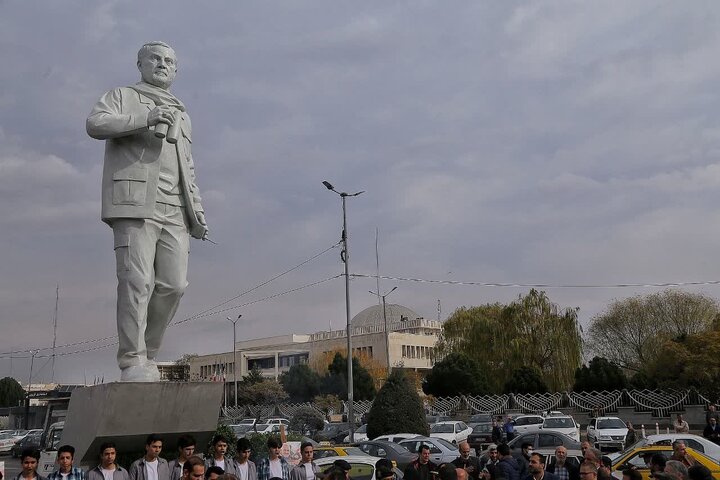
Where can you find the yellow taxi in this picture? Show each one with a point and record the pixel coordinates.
(325, 451)
(636, 458)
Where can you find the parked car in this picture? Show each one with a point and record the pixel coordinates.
(241, 429)
(454, 431)
(527, 423)
(433, 419)
(607, 432)
(635, 458)
(333, 432)
(7, 440)
(544, 443)
(360, 435)
(479, 418)
(324, 451)
(31, 440)
(362, 467)
(563, 424)
(247, 421)
(399, 455)
(397, 437)
(441, 451)
(480, 437)
(278, 420)
(265, 428)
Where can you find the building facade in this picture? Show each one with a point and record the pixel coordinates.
(411, 340)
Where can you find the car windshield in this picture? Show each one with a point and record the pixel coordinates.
(482, 428)
(558, 422)
(361, 429)
(353, 451)
(247, 421)
(442, 428)
(611, 423)
(447, 444)
(5, 436)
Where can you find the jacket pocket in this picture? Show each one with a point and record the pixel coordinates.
(130, 186)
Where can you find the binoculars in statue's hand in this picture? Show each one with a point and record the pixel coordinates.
(171, 133)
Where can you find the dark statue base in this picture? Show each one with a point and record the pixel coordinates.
(126, 413)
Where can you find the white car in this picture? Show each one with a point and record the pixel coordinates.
(441, 451)
(397, 437)
(247, 421)
(562, 424)
(265, 428)
(360, 435)
(607, 432)
(362, 467)
(278, 420)
(7, 440)
(454, 431)
(527, 423)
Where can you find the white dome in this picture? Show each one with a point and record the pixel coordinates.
(374, 315)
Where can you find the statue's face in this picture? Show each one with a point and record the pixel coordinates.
(158, 66)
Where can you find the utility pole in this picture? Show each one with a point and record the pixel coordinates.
(235, 365)
(387, 331)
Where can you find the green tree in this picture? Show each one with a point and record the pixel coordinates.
(525, 380)
(11, 392)
(397, 408)
(629, 330)
(301, 383)
(267, 392)
(307, 419)
(456, 374)
(328, 404)
(531, 331)
(335, 383)
(599, 375)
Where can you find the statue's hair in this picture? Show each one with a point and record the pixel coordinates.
(147, 46)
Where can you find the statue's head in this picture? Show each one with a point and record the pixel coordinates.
(157, 64)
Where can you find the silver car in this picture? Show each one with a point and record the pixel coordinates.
(441, 451)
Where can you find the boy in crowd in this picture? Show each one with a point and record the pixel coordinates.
(108, 469)
(65, 470)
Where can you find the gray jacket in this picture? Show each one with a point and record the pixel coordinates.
(230, 466)
(252, 470)
(175, 469)
(119, 473)
(299, 472)
(137, 470)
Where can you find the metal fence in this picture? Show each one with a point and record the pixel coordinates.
(660, 403)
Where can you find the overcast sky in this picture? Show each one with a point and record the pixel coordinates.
(555, 142)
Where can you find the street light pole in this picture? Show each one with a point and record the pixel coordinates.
(27, 403)
(387, 332)
(235, 365)
(345, 257)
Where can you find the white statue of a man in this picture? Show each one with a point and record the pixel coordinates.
(150, 200)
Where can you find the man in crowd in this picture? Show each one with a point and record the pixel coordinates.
(588, 471)
(507, 466)
(186, 449)
(594, 456)
(470, 464)
(213, 473)
(631, 474)
(712, 431)
(29, 459)
(536, 466)
(151, 466)
(681, 426)
(676, 469)
(218, 459)
(306, 469)
(509, 428)
(65, 470)
(489, 462)
(711, 413)
(245, 469)
(680, 454)
(526, 449)
(562, 467)
(274, 465)
(343, 466)
(108, 469)
(384, 470)
(423, 466)
(657, 463)
(193, 468)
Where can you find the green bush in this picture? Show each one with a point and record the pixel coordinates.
(397, 408)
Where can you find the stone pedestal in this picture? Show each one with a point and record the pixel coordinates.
(126, 413)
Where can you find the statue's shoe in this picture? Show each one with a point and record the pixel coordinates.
(153, 371)
(138, 373)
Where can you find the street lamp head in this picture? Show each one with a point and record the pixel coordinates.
(393, 289)
(328, 185)
(356, 194)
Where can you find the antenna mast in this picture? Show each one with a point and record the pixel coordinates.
(55, 319)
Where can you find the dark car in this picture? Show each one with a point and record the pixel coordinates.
(392, 451)
(31, 440)
(480, 436)
(333, 432)
(479, 418)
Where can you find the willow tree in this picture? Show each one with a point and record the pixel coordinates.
(628, 332)
(531, 331)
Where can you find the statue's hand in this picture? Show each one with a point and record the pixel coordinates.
(161, 114)
(201, 218)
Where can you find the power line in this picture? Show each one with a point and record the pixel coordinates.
(540, 285)
(204, 313)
